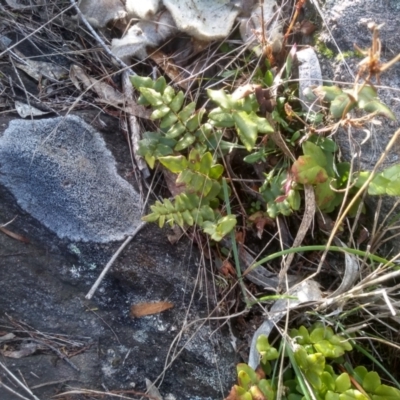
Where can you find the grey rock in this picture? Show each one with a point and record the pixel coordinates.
(45, 288)
(345, 25)
(61, 172)
(347, 22)
(309, 76)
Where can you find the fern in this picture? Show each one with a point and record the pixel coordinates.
(178, 123)
(189, 209)
(184, 144)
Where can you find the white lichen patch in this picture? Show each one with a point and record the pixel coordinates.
(61, 172)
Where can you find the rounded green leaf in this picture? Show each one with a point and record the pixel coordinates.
(216, 171)
(221, 118)
(263, 126)
(328, 93)
(141, 81)
(160, 84)
(262, 343)
(178, 219)
(342, 382)
(197, 183)
(294, 200)
(213, 191)
(175, 164)
(163, 150)
(313, 378)
(221, 98)
(384, 392)
(194, 122)
(269, 78)
(187, 112)
(352, 394)
(341, 104)
(169, 120)
(324, 195)
(184, 142)
(266, 389)
(150, 159)
(329, 350)
(168, 94)
(160, 112)
(371, 381)
(153, 97)
(161, 221)
(207, 213)
(206, 163)
(247, 129)
(185, 176)
(305, 336)
(175, 131)
(311, 149)
(331, 396)
(225, 225)
(300, 356)
(359, 373)
(194, 160)
(242, 367)
(187, 217)
(153, 217)
(244, 379)
(307, 171)
(177, 102)
(328, 381)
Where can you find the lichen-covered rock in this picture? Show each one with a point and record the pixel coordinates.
(203, 19)
(346, 24)
(101, 12)
(347, 21)
(61, 172)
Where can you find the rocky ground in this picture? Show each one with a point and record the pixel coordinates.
(54, 340)
(44, 283)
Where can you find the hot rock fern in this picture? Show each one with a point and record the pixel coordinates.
(186, 145)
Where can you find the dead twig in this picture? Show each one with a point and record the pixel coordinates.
(12, 391)
(18, 382)
(127, 89)
(111, 262)
(99, 40)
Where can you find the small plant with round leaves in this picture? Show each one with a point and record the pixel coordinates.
(315, 371)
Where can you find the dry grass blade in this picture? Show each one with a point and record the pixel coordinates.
(18, 382)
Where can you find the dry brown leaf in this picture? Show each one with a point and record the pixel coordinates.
(143, 309)
(39, 69)
(6, 337)
(14, 235)
(176, 234)
(107, 94)
(227, 269)
(260, 220)
(170, 69)
(152, 391)
(27, 110)
(233, 394)
(170, 180)
(26, 350)
(306, 222)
